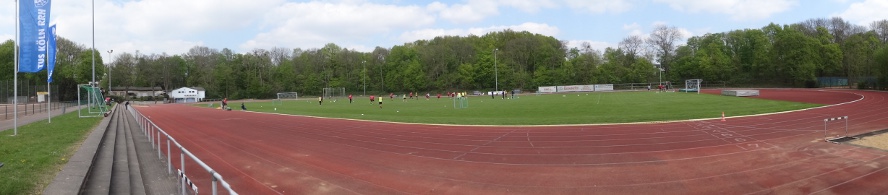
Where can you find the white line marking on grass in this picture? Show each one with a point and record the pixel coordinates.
(599, 99)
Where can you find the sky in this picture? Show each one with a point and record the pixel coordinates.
(175, 26)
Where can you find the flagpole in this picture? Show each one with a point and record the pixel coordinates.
(15, 77)
(48, 103)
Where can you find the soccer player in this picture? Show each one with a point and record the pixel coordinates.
(320, 100)
(439, 96)
(349, 98)
(224, 103)
(372, 98)
(380, 101)
(427, 96)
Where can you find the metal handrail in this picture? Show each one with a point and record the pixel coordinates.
(150, 129)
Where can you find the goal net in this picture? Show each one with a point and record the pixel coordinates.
(284, 96)
(91, 96)
(334, 93)
(692, 85)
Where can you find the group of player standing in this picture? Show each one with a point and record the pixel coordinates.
(378, 99)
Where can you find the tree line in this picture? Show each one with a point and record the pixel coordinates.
(792, 55)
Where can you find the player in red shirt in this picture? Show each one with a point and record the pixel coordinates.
(372, 99)
(349, 98)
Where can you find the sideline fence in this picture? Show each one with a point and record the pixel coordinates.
(155, 135)
(33, 108)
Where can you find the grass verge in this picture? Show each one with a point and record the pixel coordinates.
(39, 151)
(577, 108)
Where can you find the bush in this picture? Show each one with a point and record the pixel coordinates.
(810, 84)
(862, 85)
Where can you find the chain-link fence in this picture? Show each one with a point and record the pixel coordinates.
(32, 98)
(29, 92)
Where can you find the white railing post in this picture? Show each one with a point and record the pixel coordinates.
(214, 182)
(182, 159)
(158, 146)
(169, 165)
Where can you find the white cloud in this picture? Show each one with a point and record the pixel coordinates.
(463, 13)
(737, 9)
(313, 24)
(864, 13)
(600, 6)
(474, 11)
(7, 20)
(153, 26)
(685, 33)
(543, 29)
(158, 17)
(633, 29)
(530, 6)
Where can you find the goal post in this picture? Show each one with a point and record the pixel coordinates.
(692, 85)
(283, 96)
(92, 97)
(334, 93)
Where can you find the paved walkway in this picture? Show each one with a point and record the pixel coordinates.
(27, 119)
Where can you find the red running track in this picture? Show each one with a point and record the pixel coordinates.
(772, 154)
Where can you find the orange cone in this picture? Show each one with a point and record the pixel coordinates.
(723, 116)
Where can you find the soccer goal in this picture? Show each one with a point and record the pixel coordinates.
(692, 85)
(91, 96)
(283, 96)
(334, 93)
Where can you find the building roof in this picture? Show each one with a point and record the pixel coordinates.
(195, 88)
(136, 89)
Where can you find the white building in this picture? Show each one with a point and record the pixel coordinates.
(188, 94)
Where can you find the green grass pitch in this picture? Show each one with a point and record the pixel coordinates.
(574, 108)
(34, 156)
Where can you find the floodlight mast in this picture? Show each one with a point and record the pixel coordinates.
(495, 71)
(109, 72)
(364, 77)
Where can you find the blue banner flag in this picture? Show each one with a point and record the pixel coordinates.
(33, 19)
(51, 53)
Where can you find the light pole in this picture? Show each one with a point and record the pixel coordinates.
(495, 72)
(109, 72)
(73, 73)
(364, 76)
(93, 83)
(382, 59)
(660, 71)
